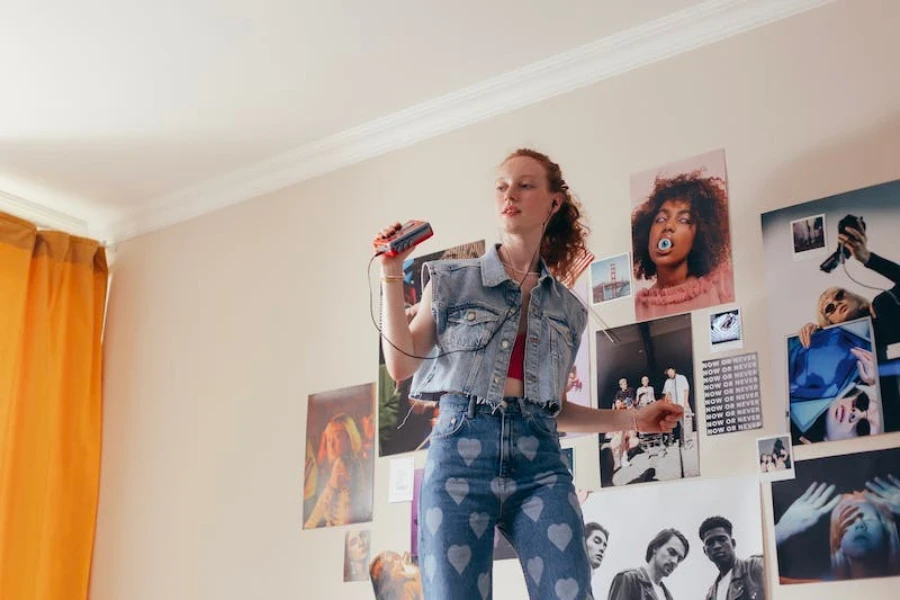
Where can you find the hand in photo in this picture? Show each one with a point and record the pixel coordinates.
(868, 370)
(885, 492)
(806, 511)
(806, 333)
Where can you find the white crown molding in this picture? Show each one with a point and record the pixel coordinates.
(694, 27)
(43, 216)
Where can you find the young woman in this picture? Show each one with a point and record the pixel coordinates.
(341, 500)
(501, 333)
(681, 241)
(645, 394)
(864, 538)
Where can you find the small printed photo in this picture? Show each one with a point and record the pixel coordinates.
(808, 237)
(569, 459)
(395, 575)
(356, 555)
(776, 458)
(610, 278)
(725, 330)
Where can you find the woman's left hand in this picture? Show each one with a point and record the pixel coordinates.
(659, 417)
(856, 242)
(885, 492)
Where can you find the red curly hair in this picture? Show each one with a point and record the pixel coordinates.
(565, 239)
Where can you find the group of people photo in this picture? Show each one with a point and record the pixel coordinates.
(676, 390)
(658, 356)
(711, 547)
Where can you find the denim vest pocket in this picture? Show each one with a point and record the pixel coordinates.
(469, 326)
(562, 348)
(449, 423)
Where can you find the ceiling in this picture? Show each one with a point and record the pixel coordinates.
(122, 117)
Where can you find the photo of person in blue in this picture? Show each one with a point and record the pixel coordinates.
(834, 322)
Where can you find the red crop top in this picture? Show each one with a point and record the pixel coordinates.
(517, 360)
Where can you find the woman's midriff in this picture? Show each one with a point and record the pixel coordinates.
(514, 388)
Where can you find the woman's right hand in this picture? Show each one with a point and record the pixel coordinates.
(805, 512)
(806, 334)
(392, 265)
(865, 365)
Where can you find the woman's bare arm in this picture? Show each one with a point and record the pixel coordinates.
(654, 418)
(405, 338)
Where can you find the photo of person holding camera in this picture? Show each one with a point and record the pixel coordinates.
(837, 305)
(855, 289)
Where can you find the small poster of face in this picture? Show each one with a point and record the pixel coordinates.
(356, 555)
(395, 577)
(838, 518)
(646, 363)
(404, 424)
(676, 538)
(680, 237)
(337, 487)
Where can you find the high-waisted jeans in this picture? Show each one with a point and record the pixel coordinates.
(499, 466)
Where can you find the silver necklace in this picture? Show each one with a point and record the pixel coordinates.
(519, 271)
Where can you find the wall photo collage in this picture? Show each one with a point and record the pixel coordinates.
(832, 285)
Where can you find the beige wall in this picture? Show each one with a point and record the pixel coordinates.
(219, 328)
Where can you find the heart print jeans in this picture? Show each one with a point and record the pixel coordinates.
(499, 466)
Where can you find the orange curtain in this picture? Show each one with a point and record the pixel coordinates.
(52, 297)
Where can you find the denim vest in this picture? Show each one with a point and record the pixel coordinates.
(471, 299)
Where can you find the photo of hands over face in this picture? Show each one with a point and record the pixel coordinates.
(838, 519)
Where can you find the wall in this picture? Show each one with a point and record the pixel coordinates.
(219, 328)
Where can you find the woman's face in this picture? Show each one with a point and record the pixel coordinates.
(673, 222)
(522, 198)
(864, 535)
(843, 418)
(338, 442)
(838, 305)
(357, 547)
(645, 381)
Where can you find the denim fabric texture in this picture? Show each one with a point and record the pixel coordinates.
(471, 299)
(499, 465)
